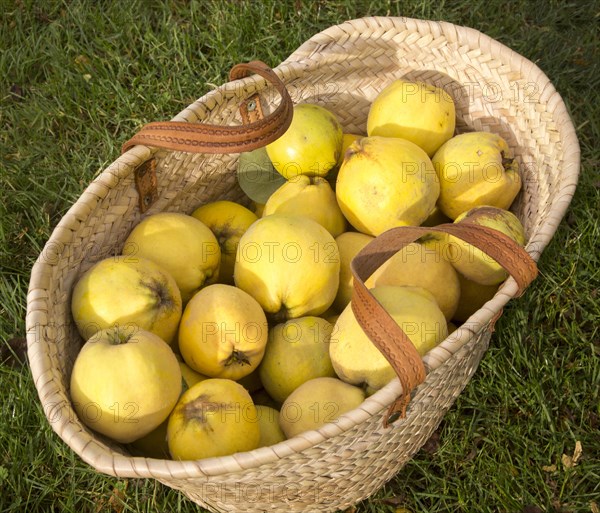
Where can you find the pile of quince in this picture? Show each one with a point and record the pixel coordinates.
(230, 328)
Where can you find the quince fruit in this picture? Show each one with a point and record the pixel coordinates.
(349, 244)
(129, 292)
(310, 197)
(268, 422)
(386, 182)
(182, 245)
(228, 221)
(223, 332)
(124, 383)
(347, 140)
(190, 376)
(297, 350)
(310, 146)
(289, 264)
(421, 265)
(421, 113)
(475, 169)
(316, 403)
(473, 263)
(215, 417)
(358, 361)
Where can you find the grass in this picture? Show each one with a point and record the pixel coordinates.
(77, 79)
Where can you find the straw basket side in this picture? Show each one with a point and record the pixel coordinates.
(341, 68)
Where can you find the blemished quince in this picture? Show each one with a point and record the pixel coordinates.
(215, 417)
(290, 265)
(316, 403)
(223, 332)
(129, 292)
(310, 197)
(386, 182)
(421, 265)
(310, 146)
(349, 244)
(422, 113)
(473, 263)
(475, 169)
(124, 383)
(228, 221)
(358, 361)
(182, 245)
(297, 350)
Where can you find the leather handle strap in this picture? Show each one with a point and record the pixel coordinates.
(207, 138)
(381, 328)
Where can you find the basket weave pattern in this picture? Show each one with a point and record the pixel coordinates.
(343, 69)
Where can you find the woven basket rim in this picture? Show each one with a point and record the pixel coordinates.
(112, 463)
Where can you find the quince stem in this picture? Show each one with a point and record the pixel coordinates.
(117, 337)
(237, 357)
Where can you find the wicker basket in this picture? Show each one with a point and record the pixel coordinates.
(342, 68)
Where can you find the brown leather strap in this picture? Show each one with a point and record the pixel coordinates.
(381, 328)
(206, 138)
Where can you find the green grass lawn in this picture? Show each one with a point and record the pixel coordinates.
(79, 78)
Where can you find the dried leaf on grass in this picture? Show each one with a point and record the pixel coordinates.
(571, 461)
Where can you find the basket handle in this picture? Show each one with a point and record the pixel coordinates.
(256, 131)
(381, 328)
